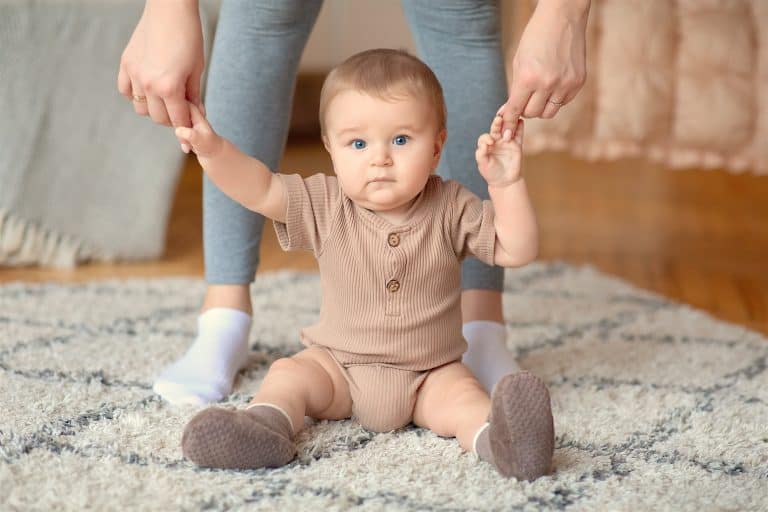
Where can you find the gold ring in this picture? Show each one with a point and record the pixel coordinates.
(558, 103)
(140, 99)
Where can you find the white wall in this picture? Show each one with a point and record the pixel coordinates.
(345, 27)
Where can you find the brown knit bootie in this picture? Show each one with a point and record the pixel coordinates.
(257, 437)
(519, 438)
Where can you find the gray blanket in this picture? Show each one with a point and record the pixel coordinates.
(81, 175)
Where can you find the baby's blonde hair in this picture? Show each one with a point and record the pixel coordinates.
(387, 74)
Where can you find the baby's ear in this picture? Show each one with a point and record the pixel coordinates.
(439, 142)
(326, 143)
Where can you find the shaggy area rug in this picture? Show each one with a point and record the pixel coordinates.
(657, 406)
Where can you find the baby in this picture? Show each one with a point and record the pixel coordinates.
(389, 237)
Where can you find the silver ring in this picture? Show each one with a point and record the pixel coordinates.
(558, 103)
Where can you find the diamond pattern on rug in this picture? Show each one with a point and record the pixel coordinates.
(656, 405)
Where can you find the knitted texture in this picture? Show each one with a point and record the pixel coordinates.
(391, 294)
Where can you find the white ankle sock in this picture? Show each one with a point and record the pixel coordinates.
(477, 436)
(487, 355)
(207, 371)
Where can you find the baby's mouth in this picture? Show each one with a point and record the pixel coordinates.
(379, 179)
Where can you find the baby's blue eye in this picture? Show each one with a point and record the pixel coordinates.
(358, 144)
(400, 140)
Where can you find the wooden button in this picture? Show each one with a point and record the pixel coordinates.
(393, 239)
(393, 285)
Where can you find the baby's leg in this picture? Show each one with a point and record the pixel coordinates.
(452, 403)
(308, 383)
(513, 430)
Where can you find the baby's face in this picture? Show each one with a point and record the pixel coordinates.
(383, 151)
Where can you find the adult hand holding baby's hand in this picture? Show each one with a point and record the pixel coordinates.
(499, 154)
(161, 65)
(201, 137)
(549, 64)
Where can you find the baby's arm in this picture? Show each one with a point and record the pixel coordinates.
(241, 177)
(498, 159)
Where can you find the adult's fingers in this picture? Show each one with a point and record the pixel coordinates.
(554, 102)
(178, 111)
(124, 83)
(550, 110)
(193, 90)
(519, 95)
(536, 103)
(166, 104)
(139, 99)
(157, 110)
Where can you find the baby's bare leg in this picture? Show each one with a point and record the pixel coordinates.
(452, 403)
(262, 434)
(519, 436)
(307, 384)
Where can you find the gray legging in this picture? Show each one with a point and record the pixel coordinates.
(251, 79)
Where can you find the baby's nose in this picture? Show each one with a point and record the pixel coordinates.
(381, 158)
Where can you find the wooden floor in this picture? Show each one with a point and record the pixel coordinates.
(699, 237)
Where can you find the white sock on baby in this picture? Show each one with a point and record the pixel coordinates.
(487, 355)
(207, 371)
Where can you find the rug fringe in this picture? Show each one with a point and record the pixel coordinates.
(24, 242)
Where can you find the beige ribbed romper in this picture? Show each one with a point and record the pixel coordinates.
(390, 307)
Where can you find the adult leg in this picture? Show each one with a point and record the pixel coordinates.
(308, 383)
(251, 78)
(461, 41)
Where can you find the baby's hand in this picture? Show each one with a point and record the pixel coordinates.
(498, 155)
(201, 137)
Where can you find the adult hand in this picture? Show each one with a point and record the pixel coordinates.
(162, 63)
(549, 66)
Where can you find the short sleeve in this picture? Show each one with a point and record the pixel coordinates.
(470, 223)
(312, 203)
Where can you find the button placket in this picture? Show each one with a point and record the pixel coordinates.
(396, 268)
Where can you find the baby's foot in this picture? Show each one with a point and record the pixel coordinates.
(519, 438)
(257, 437)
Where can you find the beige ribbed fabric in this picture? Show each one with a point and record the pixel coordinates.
(390, 294)
(383, 397)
